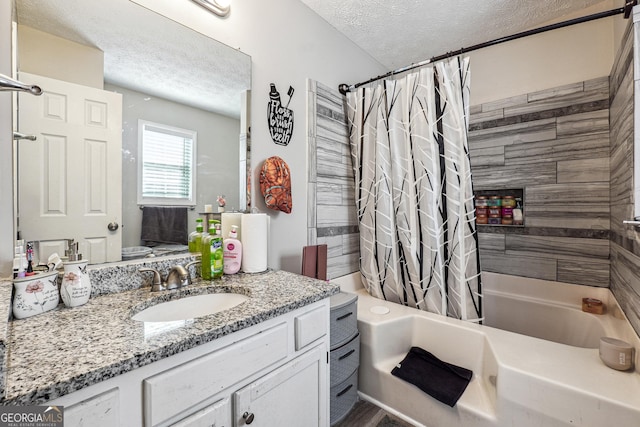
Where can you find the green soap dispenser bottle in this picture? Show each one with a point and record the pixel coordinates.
(205, 268)
(195, 238)
(212, 252)
(217, 253)
(206, 232)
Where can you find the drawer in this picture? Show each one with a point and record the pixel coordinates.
(216, 415)
(343, 397)
(169, 393)
(344, 318)
(345, 360)
(310, 326)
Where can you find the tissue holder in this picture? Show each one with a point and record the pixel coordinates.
(35, 294)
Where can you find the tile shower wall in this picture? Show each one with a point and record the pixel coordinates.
(331, 211)
(570, 148)
(625, 240)
(555, 145)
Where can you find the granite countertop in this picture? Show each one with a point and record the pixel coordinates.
(64, 350)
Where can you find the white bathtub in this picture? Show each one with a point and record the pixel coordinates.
(551, 310)
(518, 380)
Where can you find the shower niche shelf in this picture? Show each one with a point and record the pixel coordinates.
(499, 207)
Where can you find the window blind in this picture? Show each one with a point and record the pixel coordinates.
(167, 166)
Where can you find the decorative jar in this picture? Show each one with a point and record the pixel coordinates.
(76, 285)
(494, 201)
(481, 201)
(508, 202)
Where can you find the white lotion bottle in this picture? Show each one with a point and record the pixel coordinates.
(232, 252)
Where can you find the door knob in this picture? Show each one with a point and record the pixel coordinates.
(247, 417)
(113, 226)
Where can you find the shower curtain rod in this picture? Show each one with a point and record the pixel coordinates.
(344, 88)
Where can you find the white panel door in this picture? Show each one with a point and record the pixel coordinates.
(70, 178)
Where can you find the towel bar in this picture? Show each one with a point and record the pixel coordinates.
(190, 207)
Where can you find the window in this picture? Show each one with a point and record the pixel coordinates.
(166, 165)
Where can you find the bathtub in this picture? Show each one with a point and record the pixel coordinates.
(551, 310)
(540, 379)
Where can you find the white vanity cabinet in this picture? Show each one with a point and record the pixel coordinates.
(275, 373)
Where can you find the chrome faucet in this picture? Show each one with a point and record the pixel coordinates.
(177, 277)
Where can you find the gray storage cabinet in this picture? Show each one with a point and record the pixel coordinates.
(344, 356)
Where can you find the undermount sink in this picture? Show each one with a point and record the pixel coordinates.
(190, 307)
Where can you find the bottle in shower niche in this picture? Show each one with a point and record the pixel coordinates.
(518, 217)
(195, 238)
(495, 211)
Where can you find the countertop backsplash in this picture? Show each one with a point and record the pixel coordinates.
(124, 276)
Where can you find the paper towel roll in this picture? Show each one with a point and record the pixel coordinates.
(255, 230)
(228, 219)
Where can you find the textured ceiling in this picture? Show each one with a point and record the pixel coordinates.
(147, 52)
(399, 33)
(151, 54)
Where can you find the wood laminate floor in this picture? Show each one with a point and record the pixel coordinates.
(366, 414)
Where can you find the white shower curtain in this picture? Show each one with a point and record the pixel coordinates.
(414, 197)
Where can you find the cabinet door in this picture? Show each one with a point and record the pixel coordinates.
(102, 410)
(293, 395)
(216, 415)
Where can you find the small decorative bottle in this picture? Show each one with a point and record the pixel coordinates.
(518, 212)
(221, 203)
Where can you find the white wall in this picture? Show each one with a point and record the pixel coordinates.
(288, 44)
(47, 55)
(568, 55)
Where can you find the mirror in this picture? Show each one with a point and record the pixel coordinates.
(162, 72)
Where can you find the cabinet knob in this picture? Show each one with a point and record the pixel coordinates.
(247, 417)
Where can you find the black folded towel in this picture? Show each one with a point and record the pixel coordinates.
(441, 380)
(164, 224)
